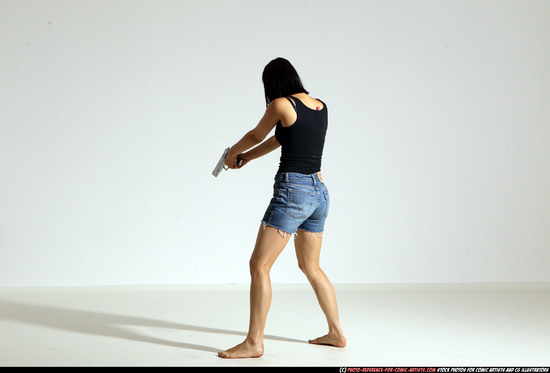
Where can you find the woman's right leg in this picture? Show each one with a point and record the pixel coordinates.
(269, 244)
(308, 250)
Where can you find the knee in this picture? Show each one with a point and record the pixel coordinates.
(309, 269)
(257, 267)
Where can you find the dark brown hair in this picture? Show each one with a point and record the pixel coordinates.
(281, 79)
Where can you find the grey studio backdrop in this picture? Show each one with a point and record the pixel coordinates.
(114, 113)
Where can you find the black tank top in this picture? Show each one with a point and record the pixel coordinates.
(302, 143)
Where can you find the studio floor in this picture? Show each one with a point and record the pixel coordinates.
(387, 325)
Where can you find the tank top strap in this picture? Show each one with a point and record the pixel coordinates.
(293, 103)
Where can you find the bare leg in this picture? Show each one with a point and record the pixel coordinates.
(269, 244)
(308, 250)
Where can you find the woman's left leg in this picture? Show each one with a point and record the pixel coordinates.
(308, 250)
(269, 244)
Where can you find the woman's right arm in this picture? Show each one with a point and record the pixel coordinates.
(259, 151)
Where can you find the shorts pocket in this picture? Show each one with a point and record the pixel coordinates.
(300, 203)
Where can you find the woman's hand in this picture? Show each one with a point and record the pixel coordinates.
(231, 160)
(243, 159)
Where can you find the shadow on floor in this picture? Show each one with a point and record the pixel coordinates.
(107, 324)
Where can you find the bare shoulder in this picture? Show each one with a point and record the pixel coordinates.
(281, 104)
(283, 110)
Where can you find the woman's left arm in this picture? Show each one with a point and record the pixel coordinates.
(259, 151)
(257, 135)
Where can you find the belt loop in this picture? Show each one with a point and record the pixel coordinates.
(286, 177)
(313, 178)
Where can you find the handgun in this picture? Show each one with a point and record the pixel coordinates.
(221, 163)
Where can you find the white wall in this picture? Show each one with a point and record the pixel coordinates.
(113, 114)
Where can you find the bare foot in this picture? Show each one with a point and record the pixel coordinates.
(329, 340)
(243, 350)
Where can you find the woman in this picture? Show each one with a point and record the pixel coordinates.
(300, 200)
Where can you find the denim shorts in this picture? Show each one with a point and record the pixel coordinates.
(299, 202)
